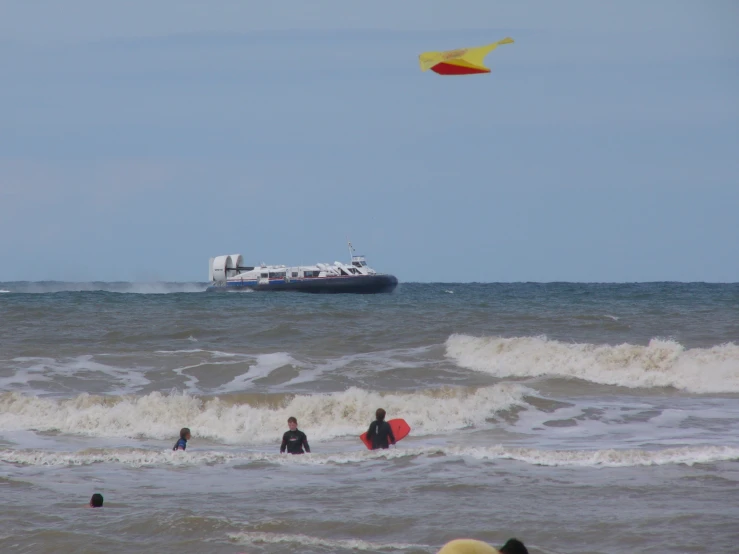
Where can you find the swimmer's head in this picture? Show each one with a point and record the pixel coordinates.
(513, 546)
(292, 423)
(380, 414)
(96, 501)
(185, 433)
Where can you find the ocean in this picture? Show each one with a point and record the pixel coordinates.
(579, 418)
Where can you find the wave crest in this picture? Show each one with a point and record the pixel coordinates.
(258, 420)
(137, 457)
(662, 363)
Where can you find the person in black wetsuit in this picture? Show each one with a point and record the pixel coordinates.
(294, 441)
(380, 432)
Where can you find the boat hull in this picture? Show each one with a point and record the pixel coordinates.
(355, 284)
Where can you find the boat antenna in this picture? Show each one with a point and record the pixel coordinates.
(351, 249)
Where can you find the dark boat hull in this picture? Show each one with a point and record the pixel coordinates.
(355, 284)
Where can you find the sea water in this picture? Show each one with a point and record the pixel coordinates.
(576, 417)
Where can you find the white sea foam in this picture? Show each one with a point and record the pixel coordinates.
(623, 422)
(606, 458)
(294, 542)
(214, 353)
(265, 364)
(326, 415)
(310, 370)
(662, 363)
(28, 369)
(41, 375)
(137, 457)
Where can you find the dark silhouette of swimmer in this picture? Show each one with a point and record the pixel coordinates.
(513, 546)
(96, 501)
(380, 432)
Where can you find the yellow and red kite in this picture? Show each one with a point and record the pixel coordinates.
(463, 61)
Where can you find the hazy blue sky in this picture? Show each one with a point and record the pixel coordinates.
(137, 139)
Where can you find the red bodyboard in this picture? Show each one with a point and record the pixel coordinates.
(400, 430)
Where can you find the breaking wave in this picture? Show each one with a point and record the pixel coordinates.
(258, 419)
(662, 363)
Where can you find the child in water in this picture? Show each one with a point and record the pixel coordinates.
(96, 501)
(294, 440)
(380, 432)
(184, 437)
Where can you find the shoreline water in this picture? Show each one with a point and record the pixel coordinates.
(579, 418)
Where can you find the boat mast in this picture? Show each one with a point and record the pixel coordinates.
(351, 250)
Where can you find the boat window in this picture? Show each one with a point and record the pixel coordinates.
(311, 273)
(357, 264)
(276, 275)
(295, 273)
(265, 274)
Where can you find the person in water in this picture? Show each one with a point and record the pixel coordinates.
(184, 437)
(294, 440)
(471, 546)
(380, 432)
(96, 501)
(513, 546)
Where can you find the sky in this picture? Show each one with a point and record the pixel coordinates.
(139, 139)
